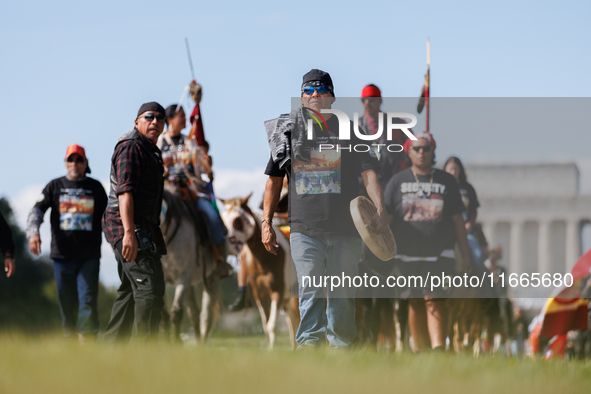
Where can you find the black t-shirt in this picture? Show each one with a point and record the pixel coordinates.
(469, 199)
(321, 191)
(423, 224)
(76, 212)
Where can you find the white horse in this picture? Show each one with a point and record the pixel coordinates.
(270, 276)
(188, 265)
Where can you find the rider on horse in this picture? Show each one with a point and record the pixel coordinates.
(187, 166)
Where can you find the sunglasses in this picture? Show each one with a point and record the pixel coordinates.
(426, 148)
(309, 90)
(150, 117)
(369, 99)
(78, 160)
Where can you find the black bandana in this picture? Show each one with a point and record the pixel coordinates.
(152, 106)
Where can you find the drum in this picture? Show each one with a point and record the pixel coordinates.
(381, 243)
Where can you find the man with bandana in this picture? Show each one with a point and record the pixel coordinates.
(322, 183)
(132, 226)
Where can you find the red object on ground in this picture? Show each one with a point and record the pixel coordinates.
(556, 347)
(567, 310)
(583, 266)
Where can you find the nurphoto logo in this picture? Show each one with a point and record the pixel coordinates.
(345, 129)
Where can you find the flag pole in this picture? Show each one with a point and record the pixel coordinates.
(427, 88)
(190, 59)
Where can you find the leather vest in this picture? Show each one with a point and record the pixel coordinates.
(147, 198)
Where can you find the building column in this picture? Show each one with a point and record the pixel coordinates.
(516, 247)
(544, 253)
(573, 242)
(488, 228)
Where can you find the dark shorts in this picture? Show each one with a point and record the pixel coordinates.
(425, 270)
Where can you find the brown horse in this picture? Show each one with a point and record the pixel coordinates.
(271, 277)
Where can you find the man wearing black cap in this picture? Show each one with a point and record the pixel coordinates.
(322, 183)
(77, 204)
(132, 226)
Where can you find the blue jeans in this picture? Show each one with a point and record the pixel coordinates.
(77, 291)
(315, 257)
(213, 219)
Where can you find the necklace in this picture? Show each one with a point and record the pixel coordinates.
(420, 193)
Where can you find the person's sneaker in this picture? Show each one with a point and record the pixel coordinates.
(239, 304)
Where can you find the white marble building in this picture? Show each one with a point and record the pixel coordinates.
(535, 211)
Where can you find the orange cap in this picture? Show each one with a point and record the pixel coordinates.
(75, 149)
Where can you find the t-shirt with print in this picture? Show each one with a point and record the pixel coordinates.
(423, 224)
(170, 156)
(320, 192)
(469, 199)
(76, 211)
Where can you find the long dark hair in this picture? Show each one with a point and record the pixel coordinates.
(458, 162)
(171, 112)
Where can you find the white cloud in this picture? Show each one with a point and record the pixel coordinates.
(108, 274)
(240, 183)
(21, 205)
(23, 202)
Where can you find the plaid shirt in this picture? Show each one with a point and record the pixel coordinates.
(129, 160)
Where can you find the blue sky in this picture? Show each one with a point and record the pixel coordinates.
(76, 72)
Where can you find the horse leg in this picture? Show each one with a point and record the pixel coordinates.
(387, 330)
(176, 310)
(272, 322)
(209, 307)
(193, 310)
(264, 312)
(402, 323)
(165, 321)
(292, 315)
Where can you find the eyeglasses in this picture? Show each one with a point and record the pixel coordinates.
(426, 148)
(78, 160)
(309, 90)
(150, 117)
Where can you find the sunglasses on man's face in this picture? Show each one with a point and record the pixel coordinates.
(369, 99)
(309, 90)
(150, 117)
(426, 148)
(78, 160)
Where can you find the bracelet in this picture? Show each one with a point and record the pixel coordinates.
(267, 221)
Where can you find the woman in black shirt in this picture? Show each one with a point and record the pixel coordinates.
(476, 239)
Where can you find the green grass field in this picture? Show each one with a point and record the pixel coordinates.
(243, 365)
